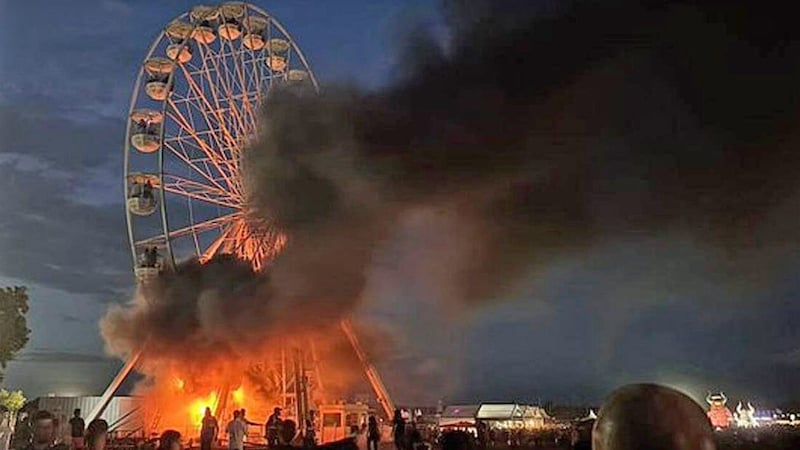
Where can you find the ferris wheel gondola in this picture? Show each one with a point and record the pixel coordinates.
(193, 109)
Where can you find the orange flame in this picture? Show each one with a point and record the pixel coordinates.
(238, 396)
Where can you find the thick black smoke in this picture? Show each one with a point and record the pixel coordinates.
(539, 130)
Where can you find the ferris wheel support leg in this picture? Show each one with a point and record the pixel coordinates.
(112, 388)
(374, 378)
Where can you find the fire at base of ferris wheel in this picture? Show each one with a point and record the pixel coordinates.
(194, 107)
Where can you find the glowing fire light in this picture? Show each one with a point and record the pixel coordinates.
(179, 383)
(198, 407)
(238, 395)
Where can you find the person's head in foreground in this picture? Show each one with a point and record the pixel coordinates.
(207, 412)
(97, 434)
(76, 413)
(44, 428)
(456, 440)
(651, 417)
(288, 431)
(169, 440)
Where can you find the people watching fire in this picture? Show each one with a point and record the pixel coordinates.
(272, 427)
(96, 435)
(399, 430)
(77, 428)
(287, 433)
(169, 440)
(373, 433)
(310, 434)
(44, 433)
(237, 431)
(209, 430)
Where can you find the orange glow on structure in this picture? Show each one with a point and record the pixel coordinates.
(179, 383)
(198, 408)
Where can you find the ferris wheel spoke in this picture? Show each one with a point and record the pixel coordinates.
(214, 86)
(208, 109)
(228, 85)
(184, 157)
(237, 55)
(214, 248)
(217, 160)
(199, 191)
(201, 227)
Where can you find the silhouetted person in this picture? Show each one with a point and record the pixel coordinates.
(414, 437)
(286, 434)
(399, 430)
(208, 430)
(77, 429)
(651, 417)
(237, 431)
(456, 440)
(97, 435)
(373, 433)
(310, 434)
(272, 427)
(44, 432)
(169, 440)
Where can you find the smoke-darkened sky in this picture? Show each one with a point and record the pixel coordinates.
(632, 168)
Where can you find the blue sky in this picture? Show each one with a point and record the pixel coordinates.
(635, 309)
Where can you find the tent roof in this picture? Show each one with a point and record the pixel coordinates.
(460, 411)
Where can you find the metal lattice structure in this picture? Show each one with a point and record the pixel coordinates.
(193, 111)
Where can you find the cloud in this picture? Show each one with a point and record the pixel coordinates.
(43, 355)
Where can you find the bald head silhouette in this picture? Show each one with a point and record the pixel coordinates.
(651, 417)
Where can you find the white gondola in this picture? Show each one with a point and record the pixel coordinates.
(277, 63)
(146, 130)
(254, 26)
(230, 31)
(278, 46)
(141, 199)
(179, 31)
(204, 13)
(179, 52)
(158, 72)
(232, 10)
(149, 264)
(204, 34)
(297, 76)
(253, 41)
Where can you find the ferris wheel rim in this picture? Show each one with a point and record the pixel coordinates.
(166, 235)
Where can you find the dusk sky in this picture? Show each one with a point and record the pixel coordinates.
(663, 306)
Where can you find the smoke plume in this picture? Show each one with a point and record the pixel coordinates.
(536, 131)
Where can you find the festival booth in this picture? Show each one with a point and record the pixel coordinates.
(337, 420)
(512, 416)
(459, 417)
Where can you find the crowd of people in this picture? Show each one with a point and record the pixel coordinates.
(39, 432)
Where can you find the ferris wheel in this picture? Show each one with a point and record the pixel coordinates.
(193, 110)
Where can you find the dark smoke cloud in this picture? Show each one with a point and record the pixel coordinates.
(540, 130)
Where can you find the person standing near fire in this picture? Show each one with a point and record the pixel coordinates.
(77, 429)
(272, 428)
(237, 431)
(208, 430)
